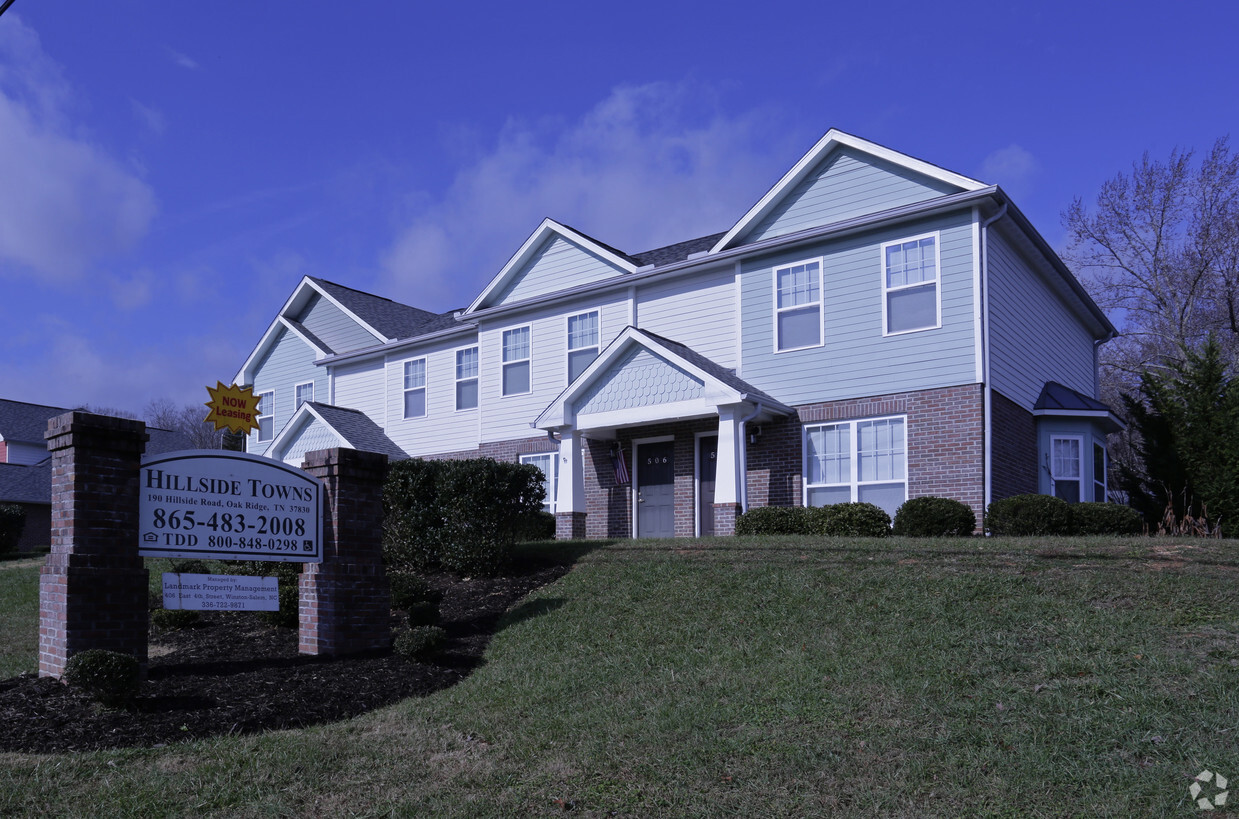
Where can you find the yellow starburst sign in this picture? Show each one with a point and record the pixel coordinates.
(232, 407)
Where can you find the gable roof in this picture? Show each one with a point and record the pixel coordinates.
(720, 385)
(25, 423)
(353, 427)
(833, 139)
(547, 230)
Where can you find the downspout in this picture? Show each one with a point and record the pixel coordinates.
(743, 465)
(987, 393)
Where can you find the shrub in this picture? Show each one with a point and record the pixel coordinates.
(775, 520)
(1029, 515)
(461, 516)
(1105, 519)
(424, 613)
(538, 526)
(287, 575)
(191, 566)
(420, 642)
(409, 589)
(110, 677)
(934, 517)
(851, 520)
(12, 522)
(174, 619)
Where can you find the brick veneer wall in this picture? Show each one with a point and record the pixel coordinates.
(345, 601)
(1014, 451)
(93, 587)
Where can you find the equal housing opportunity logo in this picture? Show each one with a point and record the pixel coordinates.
(1209, 790)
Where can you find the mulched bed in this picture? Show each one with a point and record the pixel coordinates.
(233, 674)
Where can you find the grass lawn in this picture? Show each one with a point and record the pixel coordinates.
(762, 677)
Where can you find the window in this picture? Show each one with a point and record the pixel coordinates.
(798, 306)
(583, 335)
(910, 285)
(467, 378)
(1065, 468)
(415, 388)
(857, 461)
(516, 361)
(305, 392)
(266, 416)
(1099, 473)
(548, 462)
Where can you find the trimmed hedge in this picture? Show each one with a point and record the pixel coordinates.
(110, 677)
(12, 522)
(934, 517)
(461, 516)
(1105, 519)
(836, 520)
(419, 642)
(1022, 515)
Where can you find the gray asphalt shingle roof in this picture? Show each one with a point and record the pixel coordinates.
(24, 422)
(1055, 396)
(720, 372)
(391, 318)
(677, 252)
(359, 430)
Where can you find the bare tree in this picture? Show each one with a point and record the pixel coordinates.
(1160, 253)
(189, 419)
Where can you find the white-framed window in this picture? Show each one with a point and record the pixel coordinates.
(1099, 473)
(415, 388)
(798, 306)
(910, 293)
(584, 337)
(467, 378)
(516, 355)
(1065, 467)
(850, 461)
(305, 392)
(548, 462)
(266, 415)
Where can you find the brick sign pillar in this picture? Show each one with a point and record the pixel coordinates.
(346, 600)
(93, 588)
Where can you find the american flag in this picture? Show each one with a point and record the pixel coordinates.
(621, 468)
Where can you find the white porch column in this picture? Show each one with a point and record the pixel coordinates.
(571, 492)
(727, 476)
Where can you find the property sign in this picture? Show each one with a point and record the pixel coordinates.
(232, 407)
(208, 503)
(220, 592)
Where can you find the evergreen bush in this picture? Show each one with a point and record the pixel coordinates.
(288, 576)
(12, 522)
(934, 517)
(424, 613)
(858, 519)
(775, 520)
(174, 619)
(1022, 515)
(419, 642)
(110, 677)
(410, 589)
(1105, 519)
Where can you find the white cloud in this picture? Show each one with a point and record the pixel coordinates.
(1011, 167)
(132, 293)
(152, 119)
(647, 166)
(64, 202)
(182, 60)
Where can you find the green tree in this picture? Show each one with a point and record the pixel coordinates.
(1187, 429)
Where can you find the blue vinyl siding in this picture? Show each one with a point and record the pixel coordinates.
(846, 184)
(360, 386)
(558, 265)
(856, 359)
(1034, 337)
(443, 428)
(334, 327)
(697, 311)
(289, 361)
(313, 436)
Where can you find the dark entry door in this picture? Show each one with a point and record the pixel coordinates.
(707, 465)
(656, 490)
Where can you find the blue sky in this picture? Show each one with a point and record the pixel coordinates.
(169, 170)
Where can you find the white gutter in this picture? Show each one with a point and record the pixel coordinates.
(987, 391)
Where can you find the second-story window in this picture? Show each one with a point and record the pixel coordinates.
(415, 388)
(305, 392)
(266, 416)
(516, 355)
(798, 306)
(910, 285)
(467, 378)
(583, 338)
